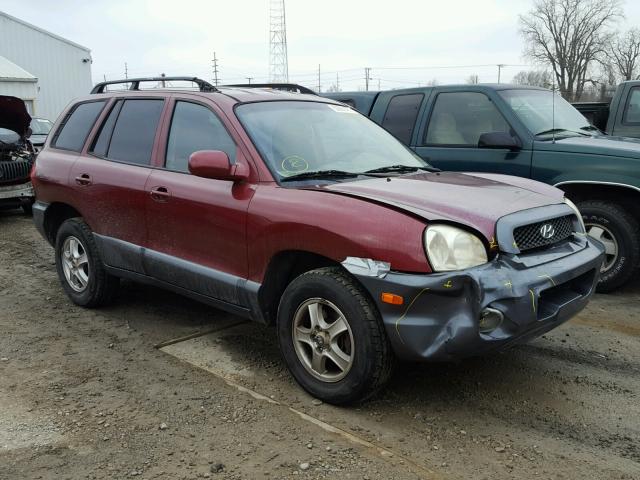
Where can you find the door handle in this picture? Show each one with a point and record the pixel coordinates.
(160, 194)
(84, 179)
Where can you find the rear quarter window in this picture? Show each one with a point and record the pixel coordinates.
(76, 126)
(632, 109)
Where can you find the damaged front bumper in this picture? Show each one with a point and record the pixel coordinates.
(16, 193)
(440, 316)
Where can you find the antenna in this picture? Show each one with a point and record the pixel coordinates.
(553, 110)
(278, 60)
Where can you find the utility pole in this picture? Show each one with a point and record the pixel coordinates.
(215, 69)
(367, 72)
(126, 70)
(319, 84)
(249, 78)
(378, 84)
(162, 82)
(500, 66)
(337, 82)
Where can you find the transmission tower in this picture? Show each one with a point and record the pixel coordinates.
(278, 61)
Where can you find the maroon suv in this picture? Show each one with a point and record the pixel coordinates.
(295, 210)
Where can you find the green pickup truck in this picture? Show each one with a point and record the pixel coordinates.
(621, 116)
(528, 132)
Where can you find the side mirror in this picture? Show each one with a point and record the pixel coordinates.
(215, 164)
(499, 140)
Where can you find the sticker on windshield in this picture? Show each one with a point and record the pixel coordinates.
(294, 164)
(341, 109)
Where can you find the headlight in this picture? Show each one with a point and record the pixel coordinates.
(578, 214)
(450, 248)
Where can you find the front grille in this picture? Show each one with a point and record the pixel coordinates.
(14, 170)
(541, 234)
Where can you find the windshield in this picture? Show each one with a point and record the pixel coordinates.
(40, 126)
(535, 108)
(296, 137)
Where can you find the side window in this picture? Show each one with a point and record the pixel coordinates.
(632, 112)
(459, 118)
(76, 126)
(101, 144)
(194, 127)
(129, 131)
(401, 114)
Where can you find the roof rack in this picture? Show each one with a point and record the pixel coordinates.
(203, 85)
(287, 87)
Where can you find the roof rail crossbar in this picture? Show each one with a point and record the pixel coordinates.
(203, 85)
(287, 87)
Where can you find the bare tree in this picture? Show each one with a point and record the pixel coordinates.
(569, 35)
(473, 79)
(623, 53)
(537, 78)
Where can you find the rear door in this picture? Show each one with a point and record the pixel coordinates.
(197, 226)
(110, 179)
(454, 122)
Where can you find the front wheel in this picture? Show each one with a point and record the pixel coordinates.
(332, 338)
(618, 231)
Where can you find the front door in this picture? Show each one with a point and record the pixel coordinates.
(450, 139)
(197, 226)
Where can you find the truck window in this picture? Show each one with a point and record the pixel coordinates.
(194, 127)
(632, 110)
(76, 126)
(401, 114)
(459, 118)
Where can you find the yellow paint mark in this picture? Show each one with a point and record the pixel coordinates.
(407, 311)
(550, 279)
(493, 244)
(533, 300)
(515, 245)
(508, 284)
(449, 284)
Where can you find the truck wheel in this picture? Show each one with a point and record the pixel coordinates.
(79, 267)
(618, 231)
(332, 337)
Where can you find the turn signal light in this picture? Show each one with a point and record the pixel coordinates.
(392, 298)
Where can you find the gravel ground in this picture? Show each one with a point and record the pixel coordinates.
(85, 394)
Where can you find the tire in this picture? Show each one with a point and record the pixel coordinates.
(334, 293)
(76, 240)
(618, 230)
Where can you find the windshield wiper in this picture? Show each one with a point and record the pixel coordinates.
(560, 130)
(319, 174)
(400, 169)
(591, 128)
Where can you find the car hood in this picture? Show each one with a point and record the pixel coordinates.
(596, 145)
(14, 115)
(474, 199)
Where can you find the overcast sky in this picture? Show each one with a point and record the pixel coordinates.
(403, 41)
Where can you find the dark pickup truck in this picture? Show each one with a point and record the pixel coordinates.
(621, 116)
(528, 132)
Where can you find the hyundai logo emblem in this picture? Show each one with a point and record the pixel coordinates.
(547, 231)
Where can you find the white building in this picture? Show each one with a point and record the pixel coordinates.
(45, 70)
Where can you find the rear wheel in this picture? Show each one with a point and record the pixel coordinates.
(618, 231)
(332, 337)
(80, 268)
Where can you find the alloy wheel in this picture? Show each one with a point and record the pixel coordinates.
(604, 235)
(75, 264)
(323, 340)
